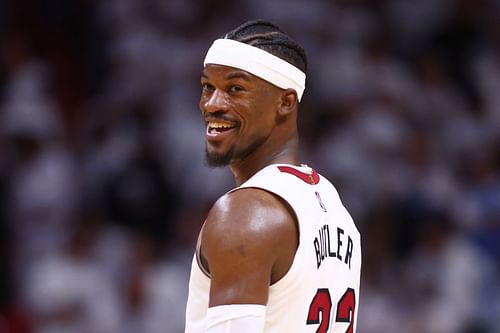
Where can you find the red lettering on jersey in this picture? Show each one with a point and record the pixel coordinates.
(310, 178)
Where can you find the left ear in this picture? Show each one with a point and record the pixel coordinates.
(288, 103)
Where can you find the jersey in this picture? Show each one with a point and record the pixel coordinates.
(320, 291)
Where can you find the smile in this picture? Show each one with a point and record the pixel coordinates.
(217, 127)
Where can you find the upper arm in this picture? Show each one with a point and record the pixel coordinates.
(248, 239)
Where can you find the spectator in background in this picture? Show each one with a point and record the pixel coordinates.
(68, 291)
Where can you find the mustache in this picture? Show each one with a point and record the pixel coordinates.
(220, 116)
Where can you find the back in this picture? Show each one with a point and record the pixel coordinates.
(321, 290)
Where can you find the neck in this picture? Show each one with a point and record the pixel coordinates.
(245, 168)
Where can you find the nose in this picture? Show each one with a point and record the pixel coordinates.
(215, 102)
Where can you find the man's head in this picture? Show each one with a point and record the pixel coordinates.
(253, 80)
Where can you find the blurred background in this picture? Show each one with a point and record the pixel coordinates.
(103, 186)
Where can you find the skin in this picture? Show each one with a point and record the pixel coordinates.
(240, 238)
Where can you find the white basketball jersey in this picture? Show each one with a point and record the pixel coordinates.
(320, 292)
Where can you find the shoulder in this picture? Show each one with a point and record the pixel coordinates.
(246, 226)
(248, 242)
(252, 212)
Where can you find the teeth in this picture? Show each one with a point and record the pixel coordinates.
(218, 125)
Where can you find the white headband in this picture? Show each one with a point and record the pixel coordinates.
(258, 62)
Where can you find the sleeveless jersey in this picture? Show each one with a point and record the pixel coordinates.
(320, 292)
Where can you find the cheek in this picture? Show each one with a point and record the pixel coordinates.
(259, 123)
(263, 114)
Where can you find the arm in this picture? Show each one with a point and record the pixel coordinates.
(248, 242)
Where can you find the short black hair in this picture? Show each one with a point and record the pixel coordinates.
(270, 38)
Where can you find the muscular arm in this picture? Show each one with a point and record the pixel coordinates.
(248, 242)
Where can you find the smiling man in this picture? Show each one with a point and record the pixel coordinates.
(279, 253)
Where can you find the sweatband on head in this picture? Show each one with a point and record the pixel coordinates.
(258, 62)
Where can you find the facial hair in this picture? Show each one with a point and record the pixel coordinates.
(214, 160)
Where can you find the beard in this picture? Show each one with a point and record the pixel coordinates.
(215, 160)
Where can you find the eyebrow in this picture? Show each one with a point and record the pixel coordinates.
(232, 75)
(238, 75)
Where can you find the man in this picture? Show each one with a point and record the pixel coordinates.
(279, 253)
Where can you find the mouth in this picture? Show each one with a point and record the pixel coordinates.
(219, 127)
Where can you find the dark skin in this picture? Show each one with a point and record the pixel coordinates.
(240, 238)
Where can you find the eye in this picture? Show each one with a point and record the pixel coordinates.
(207, 87)
(236, 89)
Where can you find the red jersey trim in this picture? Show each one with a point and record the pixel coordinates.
(310, 178)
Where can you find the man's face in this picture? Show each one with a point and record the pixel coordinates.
(239, 110)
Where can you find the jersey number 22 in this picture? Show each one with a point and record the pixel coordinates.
(322, 302)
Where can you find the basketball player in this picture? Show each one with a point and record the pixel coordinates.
(279, 253)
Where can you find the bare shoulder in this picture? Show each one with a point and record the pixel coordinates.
(248, 242)
(249, 213)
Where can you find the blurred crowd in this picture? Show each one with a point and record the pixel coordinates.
(103, 186)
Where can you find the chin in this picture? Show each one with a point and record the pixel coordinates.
(216, 160)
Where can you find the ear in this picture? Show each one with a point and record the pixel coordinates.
(288, 102)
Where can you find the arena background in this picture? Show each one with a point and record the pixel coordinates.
(103, 185)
